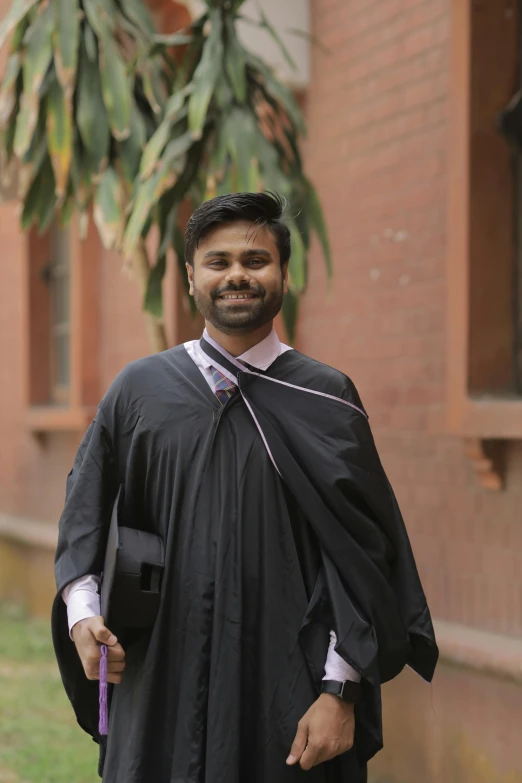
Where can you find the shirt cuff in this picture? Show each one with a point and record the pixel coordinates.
(336, 667)
(82, 599)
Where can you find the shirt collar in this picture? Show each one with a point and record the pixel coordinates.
(261, 355)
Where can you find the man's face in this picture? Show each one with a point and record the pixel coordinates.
(237, 280)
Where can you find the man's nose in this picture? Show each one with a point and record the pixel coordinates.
(237, 274)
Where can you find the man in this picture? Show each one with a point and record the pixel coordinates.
(289, 591)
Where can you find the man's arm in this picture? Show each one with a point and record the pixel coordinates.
(82, 599)
(87, 629)
(327, 729)
(336, 667)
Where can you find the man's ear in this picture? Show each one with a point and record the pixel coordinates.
(190, 275)
(284, 270)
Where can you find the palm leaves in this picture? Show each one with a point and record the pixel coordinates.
(97, 115)
(74, 112)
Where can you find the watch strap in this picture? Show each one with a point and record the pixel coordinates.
(348, 690)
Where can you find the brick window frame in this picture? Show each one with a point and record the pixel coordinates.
(482, 403)
(73, 412)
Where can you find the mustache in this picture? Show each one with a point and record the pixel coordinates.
(230, 289)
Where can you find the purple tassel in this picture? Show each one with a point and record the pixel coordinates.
(103, 727)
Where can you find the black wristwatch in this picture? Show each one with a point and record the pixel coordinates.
(347, 691)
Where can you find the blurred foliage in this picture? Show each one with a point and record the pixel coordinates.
(40, 741)
(102, 112)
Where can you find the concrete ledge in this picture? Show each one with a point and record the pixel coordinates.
(27, 563)
(21, 530)
(493, 654)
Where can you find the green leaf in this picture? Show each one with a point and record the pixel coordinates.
(154, 148)
(219, 151)
(91, 44)
(33, 158)
(240, 131)
(290, 313)
(108, 209)
(299, 208)
(91, 117)
(40, 201)
(47, 210)
(226, 185)
(82, 183)
(279, 91)
(141, 208)
(269, 27)
(205, 75)
(235, 62)
(176, 102)
(37, 58)
(67, 208)
(16, 13)
(60, 135)
(18, 36)
(137, 12)
(191, 56)
(66, 42)
(297, 272)
(270, 168)
(131, 149)
(316, 219)
(116, 89)
(152, 84)
(175, 150)
(7, 142)
(154, 294)
(8, 90)
(175, 39)
(101, 16)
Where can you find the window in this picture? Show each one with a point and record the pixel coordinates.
(518, 220)
(63, 328)
(484, 257)
(59, 281)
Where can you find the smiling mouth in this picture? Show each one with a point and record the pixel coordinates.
(235, 297)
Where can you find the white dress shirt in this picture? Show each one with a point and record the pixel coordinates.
(82, 596)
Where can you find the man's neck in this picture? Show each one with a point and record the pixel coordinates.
(237, 344)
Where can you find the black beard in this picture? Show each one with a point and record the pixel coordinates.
(240, 320)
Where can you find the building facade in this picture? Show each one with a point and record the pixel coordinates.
(421, 194)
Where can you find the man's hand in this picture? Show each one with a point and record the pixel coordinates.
(88, 635)
(324, 732)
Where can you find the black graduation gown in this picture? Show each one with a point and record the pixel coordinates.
(279, 524)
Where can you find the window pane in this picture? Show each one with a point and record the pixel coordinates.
(60, 314)
(62, 359)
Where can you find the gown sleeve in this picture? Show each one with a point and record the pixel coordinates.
(91, 489)
(92, 486)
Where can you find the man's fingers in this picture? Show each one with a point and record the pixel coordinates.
(299, 744)
(116, 653)
(117, 667)
(114, 672)
(310, 757)
(102, 634)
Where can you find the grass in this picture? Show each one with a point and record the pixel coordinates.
(40, 741)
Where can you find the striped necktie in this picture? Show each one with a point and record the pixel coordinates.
(223, 388)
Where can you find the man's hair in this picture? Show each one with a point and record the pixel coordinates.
(261, 209)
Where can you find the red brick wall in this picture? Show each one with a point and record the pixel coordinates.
(377, 113)
(11, 358)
